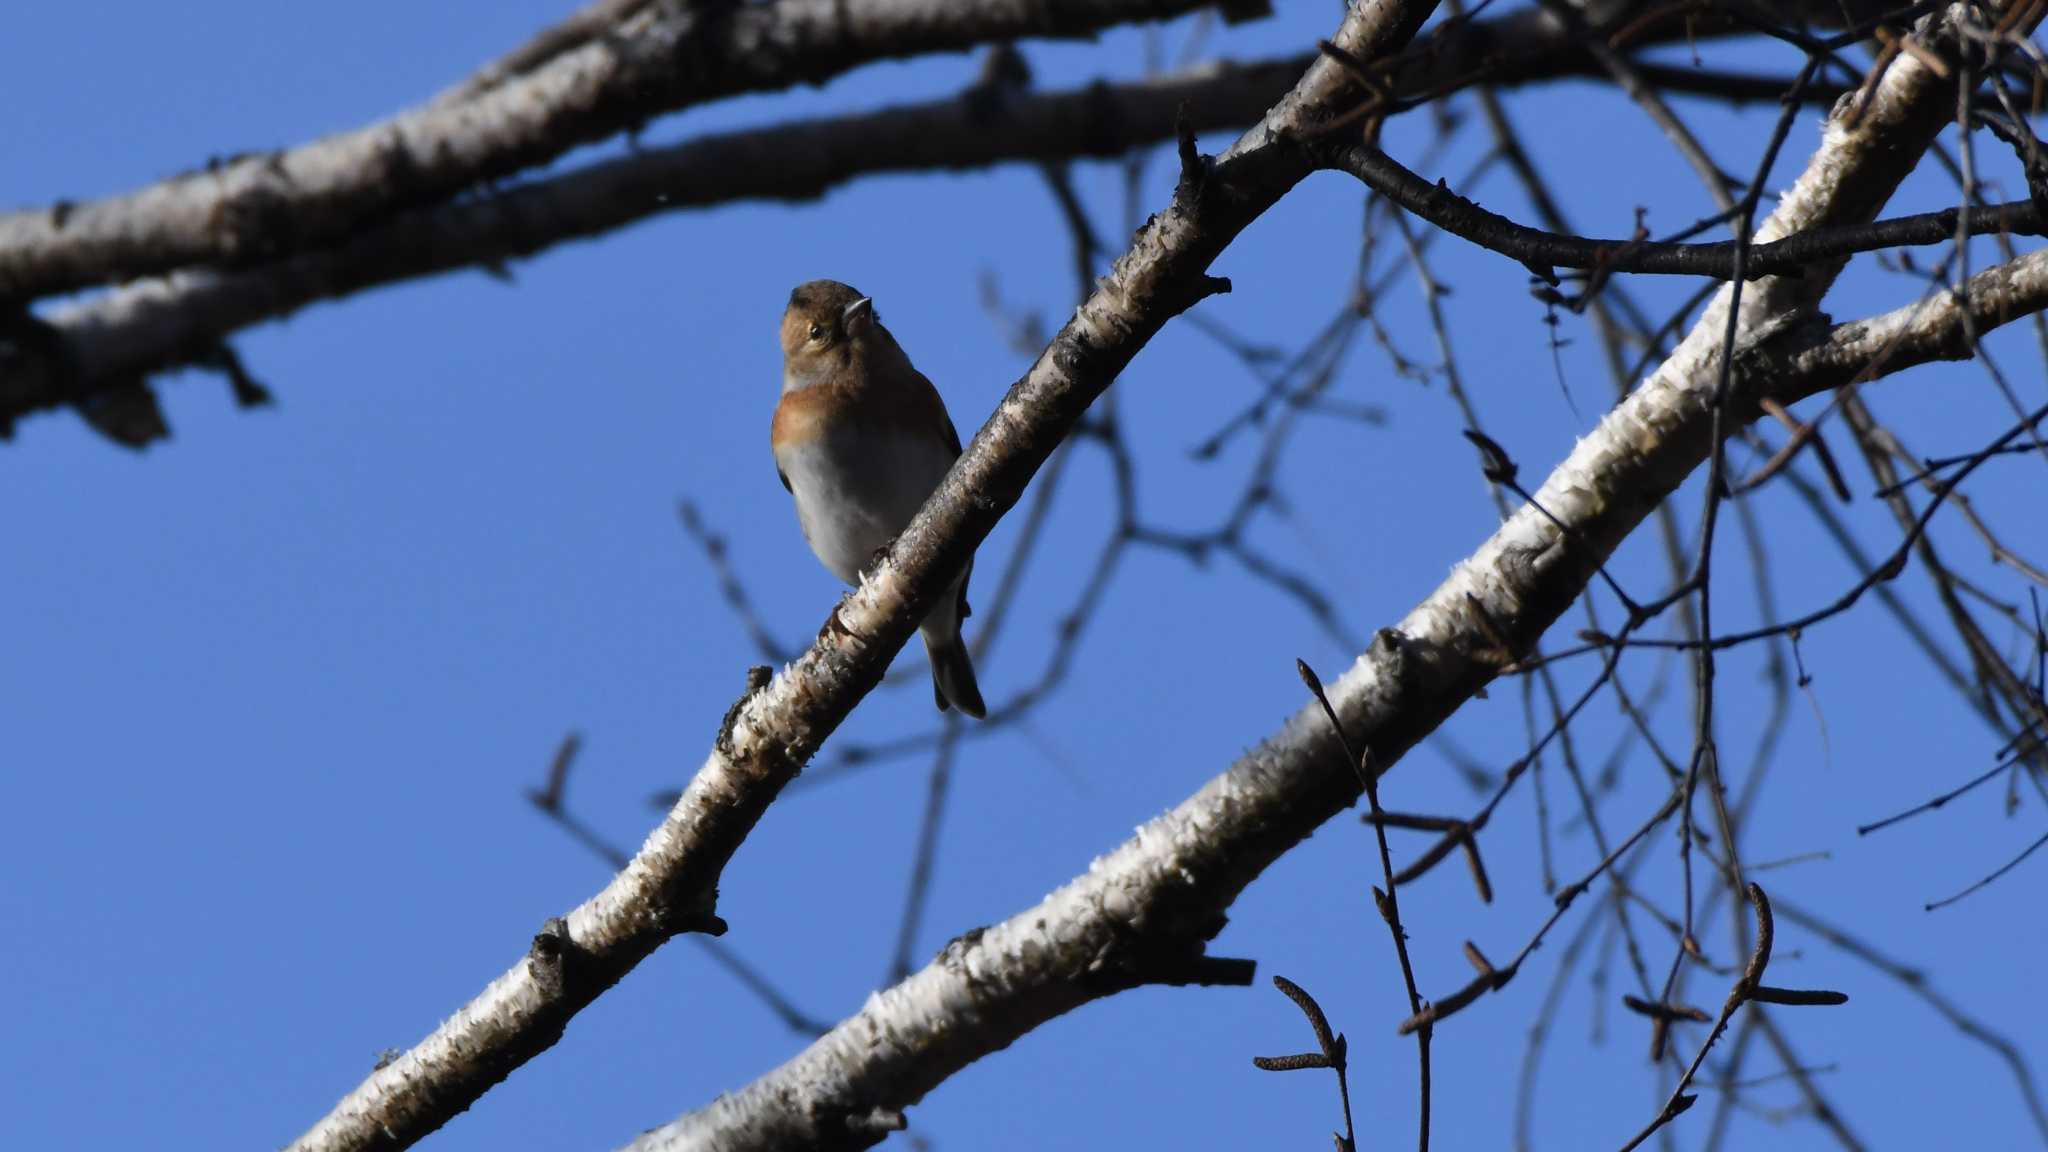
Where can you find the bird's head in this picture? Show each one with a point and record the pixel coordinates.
(824, 328)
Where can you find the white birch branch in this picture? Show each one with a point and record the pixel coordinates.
(1922, 332)
(1165, 892)
(662, 58)
(670, 885)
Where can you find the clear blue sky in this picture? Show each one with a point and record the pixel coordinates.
(272, 690)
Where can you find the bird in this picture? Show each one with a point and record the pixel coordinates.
(861, 439)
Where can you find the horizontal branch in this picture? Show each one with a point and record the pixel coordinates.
(617, 64)
(156, 324)
(671, 884)
(663, 58)
(148, 327)
(1544, 251)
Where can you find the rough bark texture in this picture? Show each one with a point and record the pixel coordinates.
(1922, 332)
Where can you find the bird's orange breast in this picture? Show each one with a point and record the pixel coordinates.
(803, 415)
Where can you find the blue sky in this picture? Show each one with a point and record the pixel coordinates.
(273, 689)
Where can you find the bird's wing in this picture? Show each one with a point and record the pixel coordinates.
(952, 433)
(933, 409)
(925, 411)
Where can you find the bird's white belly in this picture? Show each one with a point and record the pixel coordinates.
(855, 492)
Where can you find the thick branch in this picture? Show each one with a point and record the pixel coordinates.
(155, 324)
(1942, 328)
(662, 58)
(148, 327)
(670, 886)
(1168, 888)
(1185, 868)
(593, 20)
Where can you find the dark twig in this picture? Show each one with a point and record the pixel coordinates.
(1998, 769)
(550, 799)
(1544, 251)
(1915, 981)
(927, 851)
(1389, 898)
(771, 649)
(1749, 987)
(1330, 1053)
(1986, 881)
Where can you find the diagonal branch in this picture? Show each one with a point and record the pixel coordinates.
(671, 885)
(1941, 328)
(1171, 884)
(1166, 891)
(595, 19)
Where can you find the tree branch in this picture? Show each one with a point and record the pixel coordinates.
(670, 886)
(1941, 328)
(156, 324)
(112, 340)
(593, 20)
(1167, 889)
(1542, 251)
(662, 58)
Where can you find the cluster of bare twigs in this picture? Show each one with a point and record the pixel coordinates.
(1297, 384)
(2008, 700)
(258, 237)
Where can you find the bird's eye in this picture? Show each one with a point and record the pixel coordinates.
(817, 331)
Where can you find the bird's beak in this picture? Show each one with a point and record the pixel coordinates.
(861, 309)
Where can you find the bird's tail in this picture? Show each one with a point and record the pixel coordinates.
(953, 675)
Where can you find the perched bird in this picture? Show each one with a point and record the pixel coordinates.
(861, 439)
